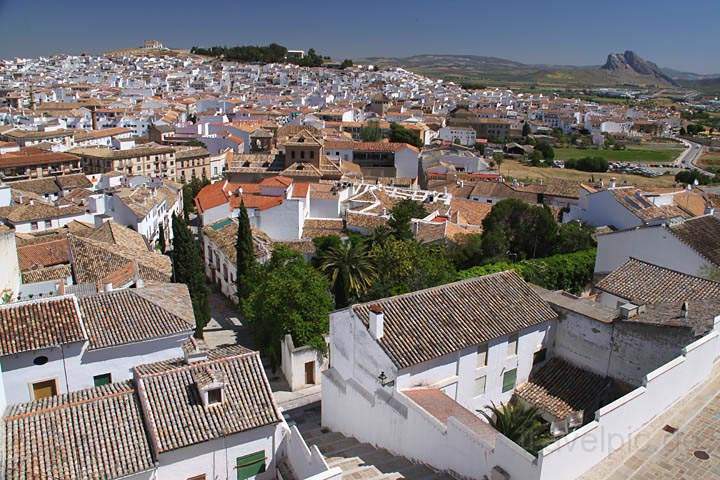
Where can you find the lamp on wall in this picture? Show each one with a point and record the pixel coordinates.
(383, 379)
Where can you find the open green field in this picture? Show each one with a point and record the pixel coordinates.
(657, 153)
(524, 172)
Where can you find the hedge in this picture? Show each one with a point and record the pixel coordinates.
(571, 272)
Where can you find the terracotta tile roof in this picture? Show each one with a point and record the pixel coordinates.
(641, 283)
(562, 389)
(470, 212)
(702, 234)
(442, 407)
(47, 254)
(259, 202)
(94, 260)
(300, 190)
(116, 234)
(224, 235)
(428, 324)
(89, 434)
(82, 135)
(37, 211)
(44, 274)
(176, 416)
(635, 201)
(317, 227)
(379, 147)
(137, 314)
(70, 182)
(278, 181)
(35, 324)
(40, 186)
(34, 157)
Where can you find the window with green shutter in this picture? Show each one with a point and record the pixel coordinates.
(250, 465)
(509, 379)
(100, 380)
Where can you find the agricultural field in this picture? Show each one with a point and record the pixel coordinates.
(710, 159)
(521, 171)
(648, 153)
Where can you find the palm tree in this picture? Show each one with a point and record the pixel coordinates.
(350, 270)
(523, 425)
(379, 235)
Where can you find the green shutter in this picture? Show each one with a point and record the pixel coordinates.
(250, 465)
(100, 380)
(509, 380)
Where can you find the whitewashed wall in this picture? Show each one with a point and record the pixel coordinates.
(617, 422)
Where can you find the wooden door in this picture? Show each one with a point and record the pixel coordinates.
(310, 373)
(44, 389)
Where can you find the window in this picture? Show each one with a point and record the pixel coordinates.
(33, 225)
(292, 154)
(214, 396)
(250, 465)
(302, 154)
(480, 386)
(41, 360)
(44, 389)
(512, 345)
(103, 379)
(509, 378)
(482, 352)
(450, 390)
(312, 154)
(539, 356)
(48, 224)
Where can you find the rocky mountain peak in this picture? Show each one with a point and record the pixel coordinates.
(630, 63)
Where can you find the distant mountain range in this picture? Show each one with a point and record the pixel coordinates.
(620, 69)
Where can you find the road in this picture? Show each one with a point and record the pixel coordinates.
(690, 155)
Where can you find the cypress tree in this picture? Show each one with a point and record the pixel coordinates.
(161, 239)
(188, 268)
(245, 253)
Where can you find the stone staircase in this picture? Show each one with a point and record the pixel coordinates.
(362, 461)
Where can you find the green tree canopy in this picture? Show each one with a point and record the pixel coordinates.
(371, 132)
(401, 215)
(546, 149)
(188, 268)
(517, 230)
(404, 266)
(401, 134)
(521, 424)
(288, 296)
(190, 191)
(526, 129)
(245, 253)
(350, 270)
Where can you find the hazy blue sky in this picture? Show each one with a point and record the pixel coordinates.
(682, 35)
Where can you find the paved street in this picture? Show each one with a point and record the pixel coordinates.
(691, 453)
(225, 327)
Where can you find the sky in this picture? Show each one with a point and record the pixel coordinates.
(680, 35)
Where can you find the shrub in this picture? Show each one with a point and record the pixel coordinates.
(588, 164)
(571, 272)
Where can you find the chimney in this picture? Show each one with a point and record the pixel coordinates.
(685, 309)
(377, 321)
(107, 287)
(61, 287)
(613, 182)
(93, 116)
(194, 350)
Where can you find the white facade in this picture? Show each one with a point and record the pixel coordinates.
(301, 365)
(73, 366)
(461, 135)
(656, 245)
(10, 271)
